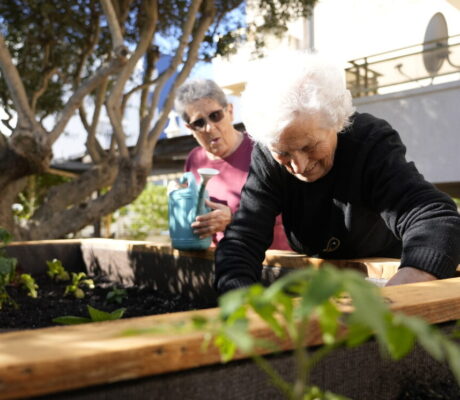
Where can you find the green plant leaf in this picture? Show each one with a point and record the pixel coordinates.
(452, 351)
(267, 311)
(400, 339)
(199, 322)
(328, 318)
(56, 270)
(7, 266)
(5, 236)
(29, 283)
(324, 284)
(227, 347)
(99, 315)
(369, 308)
(426, 335)
(232, 301)
(71, 320)
(357, 334)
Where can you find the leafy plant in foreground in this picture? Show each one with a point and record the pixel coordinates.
(78, 282)
(339, 304)
(95, 315)
(348, 311)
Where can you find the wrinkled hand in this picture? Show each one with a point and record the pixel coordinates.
(216, 221)
(410, 275)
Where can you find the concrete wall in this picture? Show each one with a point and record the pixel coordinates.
(428, 120)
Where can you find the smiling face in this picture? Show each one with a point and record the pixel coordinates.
(211, 124)
(306, 149)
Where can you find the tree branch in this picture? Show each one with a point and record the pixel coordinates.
(9, 194)
(44, 85)
(118, 44)
(92, 41)
(92, 144)
(83, 117)
(76, 99)
(187, 29)
(144, 85)
(15, 86)
(113, 103)
(192, 56)
(60, 197)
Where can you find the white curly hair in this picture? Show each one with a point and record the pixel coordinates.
(294, 84)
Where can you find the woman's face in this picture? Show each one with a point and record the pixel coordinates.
(212, 127)
(306, 149)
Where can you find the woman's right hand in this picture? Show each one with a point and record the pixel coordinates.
(215, 221)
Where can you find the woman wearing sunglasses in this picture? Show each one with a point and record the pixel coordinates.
(205, 109)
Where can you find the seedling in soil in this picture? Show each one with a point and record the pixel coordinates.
(78, 282)
(95, 315)
(7, 270)
(28, 282)
(57, 271)
(116, 295)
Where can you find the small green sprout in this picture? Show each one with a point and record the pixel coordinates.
(116, 295)
(7, 269)
(95, 315)
(57, 271)
(28, 282)
(78, 282)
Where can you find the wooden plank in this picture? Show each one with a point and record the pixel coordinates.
(435, 301)
(50, 360)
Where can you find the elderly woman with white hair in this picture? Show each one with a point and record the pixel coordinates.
(339, 178)
(209, 116)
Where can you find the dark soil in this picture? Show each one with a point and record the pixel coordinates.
(32, 313)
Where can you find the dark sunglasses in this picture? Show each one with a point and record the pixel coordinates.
(200, 123)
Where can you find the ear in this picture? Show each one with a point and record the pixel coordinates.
(230, 110)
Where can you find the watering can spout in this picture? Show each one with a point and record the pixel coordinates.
(205, 174)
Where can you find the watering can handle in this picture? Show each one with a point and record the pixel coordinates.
(188, 178)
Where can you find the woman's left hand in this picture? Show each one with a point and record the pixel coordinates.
(410, 275)
(215, 221)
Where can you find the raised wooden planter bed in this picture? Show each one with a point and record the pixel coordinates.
(94, 361)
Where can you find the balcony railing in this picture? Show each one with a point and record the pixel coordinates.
(418, 65)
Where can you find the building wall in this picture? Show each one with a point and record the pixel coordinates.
(357, 28)
(428, 120)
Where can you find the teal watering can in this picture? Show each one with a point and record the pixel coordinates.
(184, 205)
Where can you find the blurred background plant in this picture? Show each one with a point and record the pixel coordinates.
(147, 216)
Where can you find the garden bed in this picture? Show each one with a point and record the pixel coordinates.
(96, 361)
(52, 302)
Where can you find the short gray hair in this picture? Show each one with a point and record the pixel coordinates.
(292, 85)
(197, 89)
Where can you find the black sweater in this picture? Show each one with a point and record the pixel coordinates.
(372, 203)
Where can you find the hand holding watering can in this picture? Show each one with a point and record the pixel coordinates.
(185, 204)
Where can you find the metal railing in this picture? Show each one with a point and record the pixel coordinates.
(415, 64)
